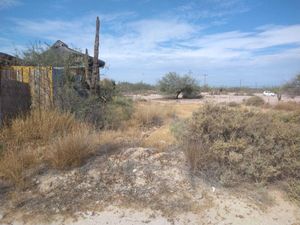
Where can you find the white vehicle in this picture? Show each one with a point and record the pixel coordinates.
(268, 93)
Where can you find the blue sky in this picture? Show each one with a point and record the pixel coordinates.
(255, 42)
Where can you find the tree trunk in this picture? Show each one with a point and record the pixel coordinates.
(96, 76)
(177, 94)
(279, 96)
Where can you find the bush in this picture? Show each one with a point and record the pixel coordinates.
(137, 88)
(255, 101)
(292, 88)
(106, 110)
(233, 104)
(118, 111)
(174, 84)
(234, 145)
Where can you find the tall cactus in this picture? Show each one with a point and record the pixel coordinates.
(96, 74)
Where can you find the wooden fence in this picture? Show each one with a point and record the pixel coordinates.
(22, 87)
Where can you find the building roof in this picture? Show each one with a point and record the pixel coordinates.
(8, 60)
(61, 48)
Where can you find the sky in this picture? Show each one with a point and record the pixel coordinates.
(249, 42)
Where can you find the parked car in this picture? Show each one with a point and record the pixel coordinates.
(268, 93)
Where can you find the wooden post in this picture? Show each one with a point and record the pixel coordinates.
(96, 77)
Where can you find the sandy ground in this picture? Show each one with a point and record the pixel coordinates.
(230, 97)
(161, 191)
(146, 186)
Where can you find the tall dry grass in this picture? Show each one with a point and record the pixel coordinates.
(13, 164)
(152, 114)
(39, 126)
(33, 139)
(72, 149)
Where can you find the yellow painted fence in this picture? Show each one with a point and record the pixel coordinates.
(40, 80)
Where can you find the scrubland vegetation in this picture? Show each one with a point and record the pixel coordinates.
(60, 141)
(241, 145)
(230, 145)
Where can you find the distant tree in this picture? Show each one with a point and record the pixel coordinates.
(174, 84)
(292, 88)
(140, 87)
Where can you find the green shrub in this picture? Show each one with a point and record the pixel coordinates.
(118, 111)
(292, 88)
(174, 84)
(255, 101)
(137, 88)
(233, 145)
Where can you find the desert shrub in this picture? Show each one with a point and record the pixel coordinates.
(288, 106)
(233, 145)
(118, 111)
(255, 101)
(233, 104)
(106, 109)
(174, 84)
(71, 149)
(147, 115)
(137, 88)
(292, 88)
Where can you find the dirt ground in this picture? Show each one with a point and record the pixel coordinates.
(230, 97)
(144, 185)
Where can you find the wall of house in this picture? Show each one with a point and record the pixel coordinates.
(15, 98)
(39, 79)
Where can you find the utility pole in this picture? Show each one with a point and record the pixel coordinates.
(96, 74)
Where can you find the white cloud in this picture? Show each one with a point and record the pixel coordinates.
(8, 3)
(154, 46)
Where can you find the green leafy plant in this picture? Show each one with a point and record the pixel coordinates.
(174, 84)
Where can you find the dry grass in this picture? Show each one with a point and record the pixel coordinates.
(39, 126)
(72, 149)
(288, 106)
(159, 138)
(25, 143)
(117, 137)
(152, 114)
(13, 165)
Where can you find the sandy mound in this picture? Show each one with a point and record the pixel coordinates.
(135, 186)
